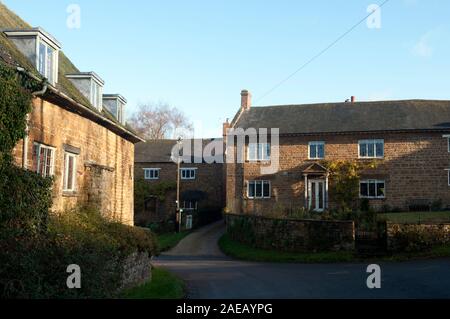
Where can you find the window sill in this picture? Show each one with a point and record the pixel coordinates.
(70, 194)
(370, 158)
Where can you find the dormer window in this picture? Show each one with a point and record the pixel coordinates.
(96, 95)
(40, 48)
(46, 62)
(90, 85)
(115, 104)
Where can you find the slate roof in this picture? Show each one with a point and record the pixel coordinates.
(159, 151)
(349, 117)
(10, 55)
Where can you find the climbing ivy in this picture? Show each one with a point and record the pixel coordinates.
(344, 182)
(143, 190)
(25, 197)
(15, 103)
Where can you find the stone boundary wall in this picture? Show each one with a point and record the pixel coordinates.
(136, 270)
(401, 237)
(291, 235)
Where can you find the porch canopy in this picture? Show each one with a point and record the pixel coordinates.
(193, 195)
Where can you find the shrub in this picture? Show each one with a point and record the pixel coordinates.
(436, 205)
(365, 205)
(34, 266)
(25, 199)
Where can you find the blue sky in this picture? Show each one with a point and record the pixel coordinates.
(198, 55)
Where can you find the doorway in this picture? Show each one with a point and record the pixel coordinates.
(316, 198)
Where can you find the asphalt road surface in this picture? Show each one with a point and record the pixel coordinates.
(210, 274)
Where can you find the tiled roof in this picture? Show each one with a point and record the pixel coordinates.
(160, 151)
(11, 55)
(349, 117)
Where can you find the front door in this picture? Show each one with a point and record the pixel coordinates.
(316, 195)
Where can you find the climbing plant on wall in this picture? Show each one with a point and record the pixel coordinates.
(344, 181)
(25, 197)
(143, 190)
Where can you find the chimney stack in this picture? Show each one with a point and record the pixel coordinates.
(246, 100)
(225, 127)
(353, 99)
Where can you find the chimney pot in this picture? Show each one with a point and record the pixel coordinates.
(246, 99)
(225, 127)
(353, 99)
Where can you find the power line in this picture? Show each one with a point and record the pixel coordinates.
(321, 52)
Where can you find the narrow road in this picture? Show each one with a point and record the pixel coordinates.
(210, 274)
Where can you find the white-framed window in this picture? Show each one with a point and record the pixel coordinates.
(47, 61)
(151, 173)
(188, 173)
(448, 142)
(371, 148)
(316, 150)
(448, 176)
(120, 107)
(258, 189)
(70, 172)
(43, 159)
(189, 205)
(96, 95)
(258, 152)
(372, 188)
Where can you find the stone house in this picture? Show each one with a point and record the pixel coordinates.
(201, 183)
(409, 140)
(75, 133)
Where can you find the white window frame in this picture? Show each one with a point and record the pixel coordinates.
(448, 176)
(370, 141)
(96, 95)
(448, 142)
(262, 189)
(154, 170)
(38, 158)
(55, 58)
(263, 152)
(316, 143)
(191, 169)
(376, 181)
(67, 156)
(190, 208)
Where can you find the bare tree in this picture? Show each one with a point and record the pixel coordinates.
(156, 121)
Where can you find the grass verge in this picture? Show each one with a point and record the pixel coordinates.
(416, 217)
(164, 285)
(170, 240)
(245, 252)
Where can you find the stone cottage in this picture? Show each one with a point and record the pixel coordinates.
(409, 141)
(76, 133)
(201, 182)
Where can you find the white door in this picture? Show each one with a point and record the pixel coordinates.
(316, 195)
(189, 222)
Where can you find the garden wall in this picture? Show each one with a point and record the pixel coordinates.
(291, 235)
(416, 237)
(136, 270)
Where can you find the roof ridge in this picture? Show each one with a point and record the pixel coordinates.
(352, 103)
